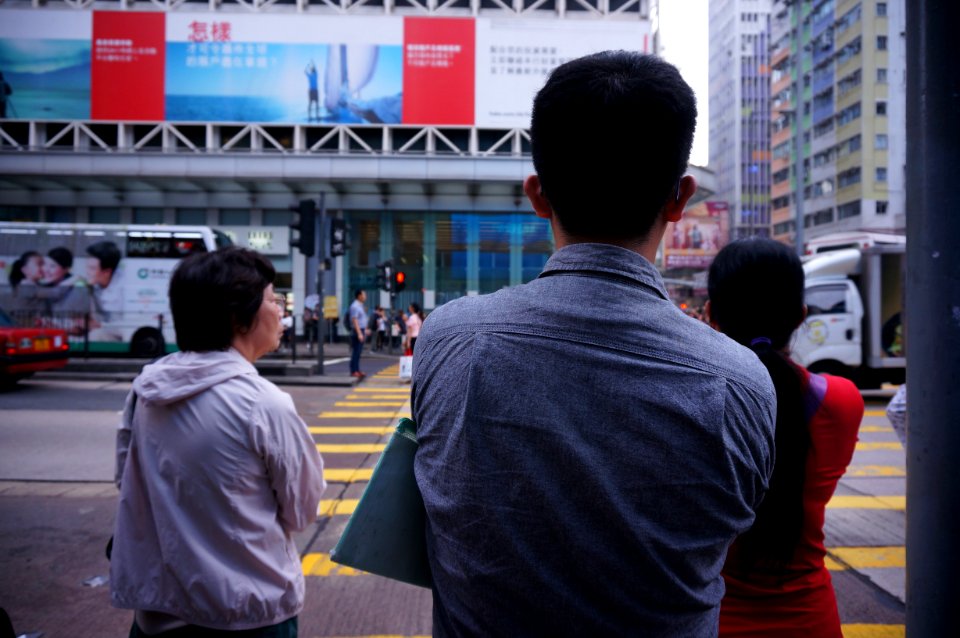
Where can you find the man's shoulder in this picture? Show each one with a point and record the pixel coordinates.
(714, 351)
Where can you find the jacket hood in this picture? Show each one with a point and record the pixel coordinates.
(183, 374)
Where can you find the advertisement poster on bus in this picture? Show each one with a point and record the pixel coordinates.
(696, 239)
(289, 69)
(45, 60)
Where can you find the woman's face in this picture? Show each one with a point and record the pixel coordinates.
(267, 329)
(52, 271)
(33, 269)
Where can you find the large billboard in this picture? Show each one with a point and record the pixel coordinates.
(289, 69)
(696, 239)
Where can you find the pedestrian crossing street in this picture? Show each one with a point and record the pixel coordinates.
(372, 409)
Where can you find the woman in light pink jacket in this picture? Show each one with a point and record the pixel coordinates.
(216, 470)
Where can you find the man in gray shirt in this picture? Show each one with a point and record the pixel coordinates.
(587, 451)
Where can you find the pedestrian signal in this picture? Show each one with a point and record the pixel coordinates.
(304, 224)
(399, 281)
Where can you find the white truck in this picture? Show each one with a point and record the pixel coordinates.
(854, 297)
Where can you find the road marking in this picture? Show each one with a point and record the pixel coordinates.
(355, 415)
(876, 470)
(369, 404)
(875, 428)
(350, 448)
(347, 429)
(840, 558)
(867, 446)
(320, 565)
(376, 397)
(857, 630)
(874, 413)
(337, 507)
(359, 475)
(868, 502)
(383, 389)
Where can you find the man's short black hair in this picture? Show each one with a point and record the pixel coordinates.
(611, 135)
(357, 293)
(215, 296)
(106, 252)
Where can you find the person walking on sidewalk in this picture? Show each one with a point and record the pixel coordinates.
(216, 470)
(358, 331)
(585, 466)
(776, 580)
(413, 322)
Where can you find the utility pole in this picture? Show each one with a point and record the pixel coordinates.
(932, 319)
(321, 252)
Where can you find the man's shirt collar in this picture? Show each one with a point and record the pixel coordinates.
(606, 259)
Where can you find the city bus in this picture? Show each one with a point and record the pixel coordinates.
(104, 284)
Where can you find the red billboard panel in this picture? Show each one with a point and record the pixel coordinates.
(126, 79)
(438, 70)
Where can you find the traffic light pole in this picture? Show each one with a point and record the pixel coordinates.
(319, 237)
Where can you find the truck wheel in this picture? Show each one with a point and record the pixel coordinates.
(147, 343)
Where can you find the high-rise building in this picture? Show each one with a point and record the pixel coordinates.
(740, 112)
(838, 117)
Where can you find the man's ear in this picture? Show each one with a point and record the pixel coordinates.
(708, 315)
(534, 192)
(673, 210)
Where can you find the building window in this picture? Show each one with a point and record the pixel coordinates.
(147, 215)
(881, 208)
(848, 177)
(881, 142)
(235, 217)
(881, 173)
(101, 215)
(848, 210)
(881, 108)
(881, 76)
(61, 214)
(881, 9)
(277, 217)
(881, 43)
(191, 216)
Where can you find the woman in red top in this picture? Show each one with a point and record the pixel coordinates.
(777, 583)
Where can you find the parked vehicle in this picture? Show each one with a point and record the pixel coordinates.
(854, 297)
(24, 351)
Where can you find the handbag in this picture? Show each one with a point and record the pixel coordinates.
(386, 535)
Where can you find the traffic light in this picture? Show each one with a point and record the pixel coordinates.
(399, 281)
(305, 225)
(385, 276)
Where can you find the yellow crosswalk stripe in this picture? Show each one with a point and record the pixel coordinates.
(840, 558)
(356, 415)
(346, 475)
(867, 446)
(375, 397)
(368, 404)
(350, 448)
(858, 630)
(876, 470)
(382, 389)
(320, 565)
(337, 507)
(875, 428)
(874, 413)
(868, 502)
(348, 429)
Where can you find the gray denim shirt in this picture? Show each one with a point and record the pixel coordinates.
(587, 454)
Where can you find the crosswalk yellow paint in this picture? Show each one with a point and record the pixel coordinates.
(347, 475)
(868, 502)
(868, 446)
(356, 415)
(859, 630)
(385, 389)
(337, 507)
(350, 448)
(320, 565)
(876, 470)
(840, 558)
(875, 428)
(375, 397)
(349, 429)
(369, 404)
(874, 413)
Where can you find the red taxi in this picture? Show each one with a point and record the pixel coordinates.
(24, 351)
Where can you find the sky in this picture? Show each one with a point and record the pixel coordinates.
(685, 43)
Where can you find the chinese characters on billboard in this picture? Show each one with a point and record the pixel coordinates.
(282, 68)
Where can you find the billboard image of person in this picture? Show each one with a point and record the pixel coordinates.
(696, 239)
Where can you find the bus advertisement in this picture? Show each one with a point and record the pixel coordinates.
(105, 284)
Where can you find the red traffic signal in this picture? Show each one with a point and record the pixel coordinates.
(399, 281)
